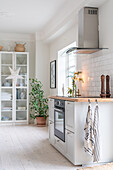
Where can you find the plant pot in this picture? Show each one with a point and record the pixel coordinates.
(41, 121)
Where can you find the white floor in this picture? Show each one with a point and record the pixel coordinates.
(28, 148)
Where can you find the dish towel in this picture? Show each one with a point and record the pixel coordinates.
(89, 136)
(96, 135)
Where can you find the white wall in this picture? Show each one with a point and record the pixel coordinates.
(106, 25)
(92, 66)
(67, 38)
(42, 64)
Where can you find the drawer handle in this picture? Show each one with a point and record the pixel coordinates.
(58, 140)
(50, 123)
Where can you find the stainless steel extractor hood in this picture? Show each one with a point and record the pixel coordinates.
(88, 32)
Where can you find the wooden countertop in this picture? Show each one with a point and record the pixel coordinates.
(80, 99)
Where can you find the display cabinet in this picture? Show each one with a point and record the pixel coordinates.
(14, 101)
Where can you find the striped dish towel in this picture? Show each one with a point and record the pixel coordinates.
(89, 136)
(96, 135)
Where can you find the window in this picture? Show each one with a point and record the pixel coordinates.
(66, 66)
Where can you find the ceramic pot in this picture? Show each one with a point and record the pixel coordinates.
(41, 121)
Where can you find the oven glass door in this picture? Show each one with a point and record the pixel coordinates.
(59, 123)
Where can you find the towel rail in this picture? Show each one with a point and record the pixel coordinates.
(95, 101)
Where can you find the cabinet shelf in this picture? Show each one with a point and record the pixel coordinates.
(6, 121)
(6, 110)
(21, 100)
(5, 100)
(21, 65)
(5, 75)
(6, 65)
(21, 87)
(6, 87)
(21, 110)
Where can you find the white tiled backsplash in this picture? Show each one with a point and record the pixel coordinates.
(93, 66)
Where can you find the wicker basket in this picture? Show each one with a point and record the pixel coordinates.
(20, 48)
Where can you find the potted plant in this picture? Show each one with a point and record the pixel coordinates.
(38, 103)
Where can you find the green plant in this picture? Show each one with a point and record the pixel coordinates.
(69, 91)
(38, 103)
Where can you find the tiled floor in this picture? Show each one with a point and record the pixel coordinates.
(28, 148)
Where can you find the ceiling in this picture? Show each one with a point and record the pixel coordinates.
(27, 16)
(30, 16)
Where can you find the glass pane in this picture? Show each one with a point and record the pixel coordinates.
(4, 82)
(59, 121)
(6, 59)
(21, 94)
(5, 70)
(21, 115)
(22, 82)
(23, 73)
(6, 106)
(23, 70)
(21, 105)
(6, 94)
(6, 109)
(21, 59)
(6, 115)
(21, 62)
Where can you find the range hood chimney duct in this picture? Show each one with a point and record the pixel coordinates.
(88, 32)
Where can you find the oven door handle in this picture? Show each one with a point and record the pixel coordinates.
(59, 110)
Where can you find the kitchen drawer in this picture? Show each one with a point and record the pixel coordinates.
(70, 153)
(60, 145)
(51, 133)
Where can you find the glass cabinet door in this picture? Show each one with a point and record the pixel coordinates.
(21, 87)
(6, 87)
(6, 62)
(21, 62)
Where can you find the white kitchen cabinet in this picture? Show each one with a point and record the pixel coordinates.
(69, 116)
(51, 133)
(70, 148)
(51, 109)
(14, 100)
(75, 118)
